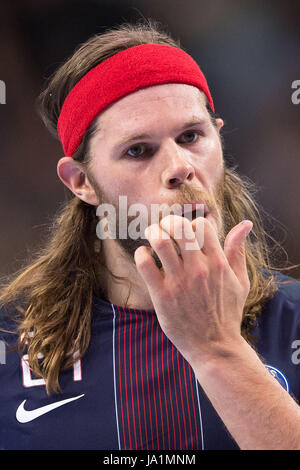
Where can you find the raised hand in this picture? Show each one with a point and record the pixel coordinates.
(200, 293)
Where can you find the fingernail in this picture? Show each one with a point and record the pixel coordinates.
(250, 228)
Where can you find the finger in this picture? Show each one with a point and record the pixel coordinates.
(207, 237)
(147, 268)
(234, 249)
(165, 248)
(180, 229)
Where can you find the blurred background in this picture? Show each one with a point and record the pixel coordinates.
(250, 54)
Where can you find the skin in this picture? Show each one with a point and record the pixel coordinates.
(179, 166)
(205, 328)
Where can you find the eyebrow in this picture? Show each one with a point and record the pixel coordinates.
(132, 138)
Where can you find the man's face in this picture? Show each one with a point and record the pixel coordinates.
(176, 158)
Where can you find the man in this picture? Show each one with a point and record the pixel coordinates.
(152, 344)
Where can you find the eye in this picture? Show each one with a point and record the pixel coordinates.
(138, 151)
(135, 151)
(190, 137)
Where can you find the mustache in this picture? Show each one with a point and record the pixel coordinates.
(183, 194)
(186, 195)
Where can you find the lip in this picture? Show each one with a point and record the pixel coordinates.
(198, 206)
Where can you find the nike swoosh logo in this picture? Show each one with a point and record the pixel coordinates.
(24, 416)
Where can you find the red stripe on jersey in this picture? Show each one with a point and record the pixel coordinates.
(158, 405)
(125, 375)
(162, 368)
(180, 388)
(195, 421)
(136, 379)
(186, 388)
(131, 375)
(171, 401)
(152, 438)
(153, 383)
(161, 413)
(175, 388)
(120, 380)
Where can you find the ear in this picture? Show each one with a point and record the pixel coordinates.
(74, 177)
(220, 123)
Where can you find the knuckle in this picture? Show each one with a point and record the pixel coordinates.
(152, 231)
(202, 274)
(178, 284)
(219, 265)
(172, 223)
(161, 244)
(203, 223)
(143, 263)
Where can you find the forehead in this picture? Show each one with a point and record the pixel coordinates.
(143, 108)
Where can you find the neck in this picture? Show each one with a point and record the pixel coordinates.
(130, 291)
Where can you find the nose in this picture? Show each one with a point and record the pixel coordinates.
(177, 169)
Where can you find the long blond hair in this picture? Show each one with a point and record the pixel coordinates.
(54, 292)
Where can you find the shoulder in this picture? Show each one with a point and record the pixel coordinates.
(280, 316)
(277, 333)
(287, 287)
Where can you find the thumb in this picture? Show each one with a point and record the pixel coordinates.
(234, 249)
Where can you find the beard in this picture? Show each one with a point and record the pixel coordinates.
(183, 195)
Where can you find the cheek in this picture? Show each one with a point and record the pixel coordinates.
(210, 167)
(116, 188)
(216, 172)
(109, 181)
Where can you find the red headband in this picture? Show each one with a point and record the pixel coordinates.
(123, 73)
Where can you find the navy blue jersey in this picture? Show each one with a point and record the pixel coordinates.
(133, 389)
